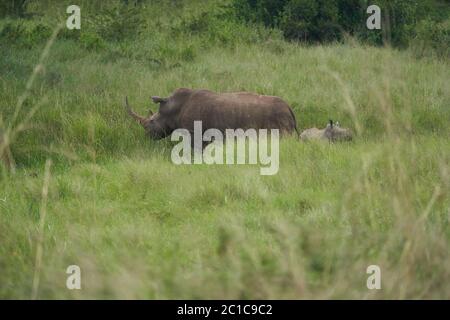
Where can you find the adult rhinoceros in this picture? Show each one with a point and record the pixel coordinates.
(235, 110)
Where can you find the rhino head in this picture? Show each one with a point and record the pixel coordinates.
(333, 132)
(157, 125)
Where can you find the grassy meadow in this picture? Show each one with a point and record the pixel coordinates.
(141, 227)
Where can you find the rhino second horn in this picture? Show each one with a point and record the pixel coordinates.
(132, 113)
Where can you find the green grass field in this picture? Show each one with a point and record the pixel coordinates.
(141, 227)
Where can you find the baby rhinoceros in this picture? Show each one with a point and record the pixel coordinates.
(332, 132)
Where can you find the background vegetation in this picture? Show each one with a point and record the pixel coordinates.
(325, 20)
(141, 227)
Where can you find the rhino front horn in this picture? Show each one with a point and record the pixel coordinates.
(132, 113)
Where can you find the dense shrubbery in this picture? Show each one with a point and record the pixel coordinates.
(118, 22)
(433, 36)
(25, 33)
(325, 20)
(310, 20)
(220, 27)
(133, 30)
(13, 8)
(423, 24)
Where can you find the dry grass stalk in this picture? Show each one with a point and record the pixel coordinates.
(8, 135)
(40, 236)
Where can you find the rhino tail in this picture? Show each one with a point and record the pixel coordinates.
(295, 122)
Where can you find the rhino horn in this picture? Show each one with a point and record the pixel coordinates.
(157, 99)
(132, 113)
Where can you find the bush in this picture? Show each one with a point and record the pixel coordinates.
(117, 23)
(25, 33)
(310, 21)
(399, 18)
(16, 8)
(329, 20)
(220, 27)
(91, 41)
(432, 37)
(305, 20)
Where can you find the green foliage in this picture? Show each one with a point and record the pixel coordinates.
(324, 21)
(432, 38)
(24, 33)
(15, 8)
(310, 21)
(398, 22)
(219, 27)
(91, 40)
(117, 22)
(265, 11)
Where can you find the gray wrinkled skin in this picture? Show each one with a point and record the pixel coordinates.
(221, 111)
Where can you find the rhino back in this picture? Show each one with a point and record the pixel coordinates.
(236, 110)
(312, 134)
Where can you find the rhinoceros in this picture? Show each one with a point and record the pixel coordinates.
(233, 110)
(332, 132)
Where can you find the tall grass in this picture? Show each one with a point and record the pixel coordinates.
(141, 227)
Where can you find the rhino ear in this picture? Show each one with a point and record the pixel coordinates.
(157, 99)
